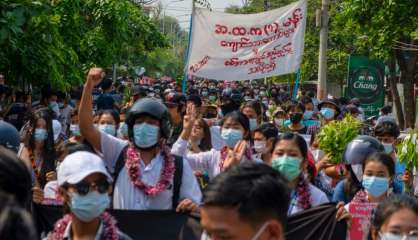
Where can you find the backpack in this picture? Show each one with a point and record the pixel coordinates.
(177, 179)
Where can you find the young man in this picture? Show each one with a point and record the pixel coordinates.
(250, 201)
(264, 138)
(106, 100)
(143, 167)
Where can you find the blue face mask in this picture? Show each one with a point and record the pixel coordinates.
(328, 113)
(288, 166)
(123, 130)
(253, 123)
(375, 186)
(40, 134)
(231, 136)
(307, 115)
(212, 98)
(388, 148)
(90, 206)
(145, 135)
(75, 130)
(108, 128)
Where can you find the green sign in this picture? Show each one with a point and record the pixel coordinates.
(366, 82)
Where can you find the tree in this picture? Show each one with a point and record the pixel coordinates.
(55, 42)
(387, 28)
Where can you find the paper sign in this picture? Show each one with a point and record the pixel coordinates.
(247, 46)
(361, 214)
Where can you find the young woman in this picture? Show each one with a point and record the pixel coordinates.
(289, 157)
(378, 172)
(235, 132)
(329, 110)
(75, 135)
(108, 121)
(253, 110)
(295, 113)
(264, 138)
(395, 218)
(84, 185)
(200, 138)
(39, 150)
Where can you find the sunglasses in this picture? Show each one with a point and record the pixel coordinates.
(83, 188)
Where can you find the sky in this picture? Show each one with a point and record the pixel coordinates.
(182, 9)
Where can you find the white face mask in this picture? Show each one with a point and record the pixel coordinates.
(205, 235)
(392, 236)
(260, 146)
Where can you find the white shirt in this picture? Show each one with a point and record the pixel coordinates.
(317, 198)
(204, 161)
(127, 196)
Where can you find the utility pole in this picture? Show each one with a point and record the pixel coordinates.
(322, 21)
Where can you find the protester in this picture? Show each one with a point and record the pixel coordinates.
(200, 137)
(9, 136)
(143, 166)
(295, 112)
(108, 121)
(253, 111)
(329, 109)
(395, 218)
(85, 187)
(249, 201)
(17, 112)
(106, 100)
(264, 139)
(176, 104)
(289, 157)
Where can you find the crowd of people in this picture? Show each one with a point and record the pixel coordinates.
(243, 155)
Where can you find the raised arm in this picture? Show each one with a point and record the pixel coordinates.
(85, 115)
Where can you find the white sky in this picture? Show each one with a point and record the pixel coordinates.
(182, 9)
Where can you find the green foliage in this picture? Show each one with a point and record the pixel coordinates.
(334, 136)
(55, 42)
(408, 154)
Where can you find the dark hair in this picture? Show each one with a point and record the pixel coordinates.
(48, 152)
(106, 84)
(268, 130)
(310, 94)
(382, 158)
(256, 105)
(257, 191)
(238, 117)
(390, 205)
(111, 112)
(15, 222)
(293, 105)
(387, 128)
(15, 178)
(386, 109)
(300, 141)
(306, 100)
(206, 143)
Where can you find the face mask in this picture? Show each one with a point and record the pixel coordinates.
(123, 130)
(75, 130)
(278, 122)
(253, 123)
(391, 236)
(260, 146)
(262, 94)
(61, 105)
(54, 107)
(288, 166)
(90, 206)
(295, 118)
(375, 186)
(246, 98)
(145, 135)
(40, 134)
(308, 115)
(266, 103)
(108, 128)
(204, 93)
(212, 98)
(231, 136)
(327, 113)
(388, 148)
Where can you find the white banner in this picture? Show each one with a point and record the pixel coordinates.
(247, 46)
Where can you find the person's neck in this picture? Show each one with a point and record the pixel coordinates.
(373, 199)
(83, 230)
(296, 126)
(148, 155)
(266, 157)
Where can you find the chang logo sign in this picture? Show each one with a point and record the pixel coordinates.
(366, 83)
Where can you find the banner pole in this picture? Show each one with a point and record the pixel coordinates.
(296, 87)
(184, 82)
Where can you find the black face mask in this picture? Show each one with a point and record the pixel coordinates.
(295, 118)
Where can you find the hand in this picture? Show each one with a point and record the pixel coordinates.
(343, 214)
(325, 162)
(234, 157)
(37, 195)
(51, 176)
(407, 177)
(95, 76)
(190, 116)
(187, 205)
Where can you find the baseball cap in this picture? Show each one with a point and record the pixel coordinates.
(78, 166)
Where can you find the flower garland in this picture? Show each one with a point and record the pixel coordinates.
(109, 225)
(224, 154)
(303, 193)
(134, 172)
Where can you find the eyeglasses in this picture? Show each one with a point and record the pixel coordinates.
(82, 188)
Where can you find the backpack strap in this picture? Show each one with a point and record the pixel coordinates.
(177, 180)
(120, 163)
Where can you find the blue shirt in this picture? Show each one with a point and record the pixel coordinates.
(398, 184)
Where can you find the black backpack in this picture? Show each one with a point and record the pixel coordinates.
(178, 174)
